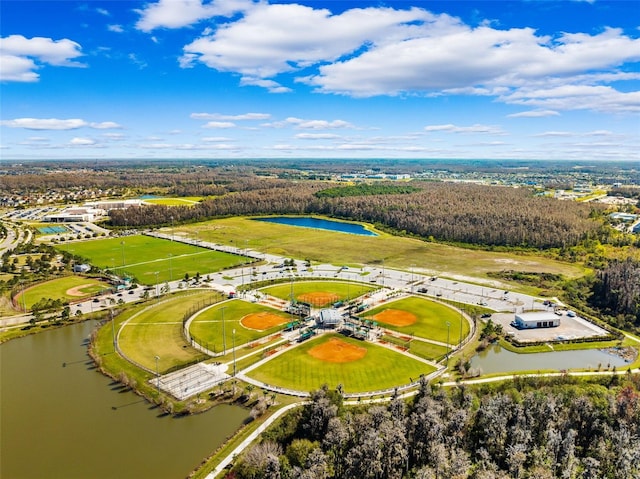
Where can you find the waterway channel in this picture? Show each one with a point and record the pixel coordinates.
(317, 223)
(495, 359)
(73, 422)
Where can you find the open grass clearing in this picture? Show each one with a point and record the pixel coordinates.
(343, 291)
(157, 331)
(397, 252)
(68, 288)
(141, 257)
(214, 327)
(299, 370)
(431, 319)
(182, 201)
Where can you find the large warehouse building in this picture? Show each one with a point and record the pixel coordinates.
(539, 319)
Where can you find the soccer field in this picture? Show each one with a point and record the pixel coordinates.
(141, 257)
(68, 288)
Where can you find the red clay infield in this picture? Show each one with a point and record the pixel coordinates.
(319, 298)
(396, 317)
(337, 351)
(262, 321)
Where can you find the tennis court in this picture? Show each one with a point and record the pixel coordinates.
(52, 230)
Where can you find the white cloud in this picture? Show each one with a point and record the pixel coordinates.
(21, 56)
(477, 128)
(317, 136)
(272, 86)
(115, 28)
(215, 139)
(219, 124)
(220, 116)
(114, 136)
(82, 142)
(554, 134)
(318, 124)
(105, 125)
(534, 114)
(258, 47)
(44, 123)
(182, 13)
(103, 11)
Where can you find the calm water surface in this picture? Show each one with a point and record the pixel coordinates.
(60, 422)
(316, 223)
(497, 360)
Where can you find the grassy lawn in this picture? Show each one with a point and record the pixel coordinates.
(142, 256)
(427, 350)
(380, 368)
(57, 289)
(207, 327)
(344, 290)
(183, 201)
(157, 331)
(431, 322)
(397, 252)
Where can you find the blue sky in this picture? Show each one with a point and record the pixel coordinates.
(326, 79)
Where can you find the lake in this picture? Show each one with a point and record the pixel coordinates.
(495, 359)
(73, 422)
(320, 224)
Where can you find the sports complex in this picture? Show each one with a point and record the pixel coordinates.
(285, 331)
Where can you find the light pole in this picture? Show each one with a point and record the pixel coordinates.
(233, 339)
(24, 301)
(412, 270)
(448, 327)
(460, 340)
(113, 330)
(157, 292)
(157, 375)
(170, 268)
(122, 247)
(224, 338)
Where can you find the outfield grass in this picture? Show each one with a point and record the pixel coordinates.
(157, 331)
(381, 368)
(142, 256)
(344, 290)
(431, 323)
(338, 248)
(57, 289)
(207, 328)
(427, 350)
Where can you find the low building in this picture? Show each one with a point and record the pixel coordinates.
(81, 268)
(539, 319)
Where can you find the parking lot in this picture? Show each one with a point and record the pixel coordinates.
(570, 328)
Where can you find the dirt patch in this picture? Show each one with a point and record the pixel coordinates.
(77, 290)
(262, 321)
(319, 298)
(396, 317)
(337, 351)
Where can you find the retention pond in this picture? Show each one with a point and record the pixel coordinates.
(317, 223)
(72, 422)
(495, 359)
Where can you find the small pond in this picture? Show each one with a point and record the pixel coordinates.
(316, 223)
(498, 360)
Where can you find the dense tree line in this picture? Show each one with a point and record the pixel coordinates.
(462, 213)
(365, 189)
(616, 291)
(531, 428)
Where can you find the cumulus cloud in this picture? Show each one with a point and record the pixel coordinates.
(317, 136)
(21, 56)
(318, 124)
(182, 13)
(220, 116)
(115, 28)
(105, 125)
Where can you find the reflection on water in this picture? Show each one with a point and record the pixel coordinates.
(495, 359)
(72, 422)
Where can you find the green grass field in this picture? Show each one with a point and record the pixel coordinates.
(207, 327)
(344, 290)
(380, 368)
(431, 320)
(338, 248)
(157, 331)
(141, 257)
(57, 289)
